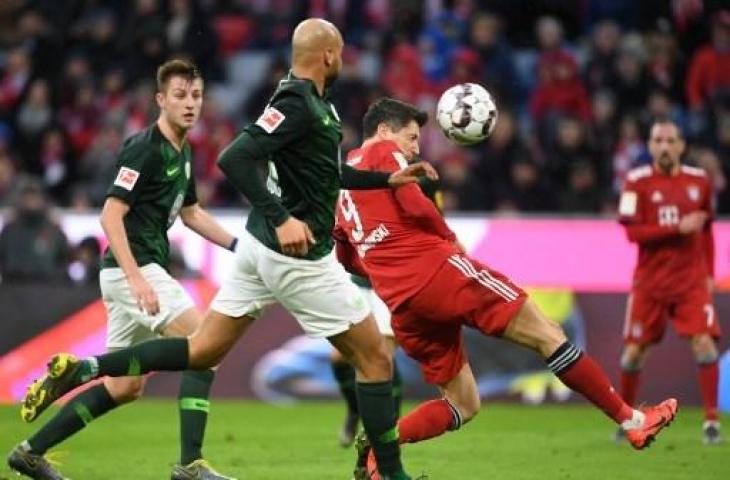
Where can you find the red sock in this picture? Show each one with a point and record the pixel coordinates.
(630, 385)
(709, 378)
(579, 372)
(430, 419)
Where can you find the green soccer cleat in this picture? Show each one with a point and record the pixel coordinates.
(197, 470)
(33, 466)
(362, 447)
(59, 380)
(711, 433)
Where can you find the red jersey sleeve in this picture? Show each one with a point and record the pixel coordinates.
(411, 200)
(640, 229)
(346, 253)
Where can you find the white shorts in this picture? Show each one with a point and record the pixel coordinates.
(379, 309)
(126, 324)
(319, 293)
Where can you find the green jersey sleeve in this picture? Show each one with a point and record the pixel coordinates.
(134, 164)
(284, 121)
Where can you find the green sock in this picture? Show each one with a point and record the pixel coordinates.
(159, 354)
(397, 389)
(194, 406)
(345, 375)
(74, 416)
(378, 419)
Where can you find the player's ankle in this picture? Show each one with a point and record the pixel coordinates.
(636, 421)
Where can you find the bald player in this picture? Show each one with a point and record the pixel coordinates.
(286, 253)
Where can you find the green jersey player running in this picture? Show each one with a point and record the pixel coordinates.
(153, 186)
(286, 254)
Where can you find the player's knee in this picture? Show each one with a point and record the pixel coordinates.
(632, 358)
(377, 365)
(704, 349)
(125, 390)
(201, 356)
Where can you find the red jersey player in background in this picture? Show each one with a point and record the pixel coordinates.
(667, 209)
(416, 265)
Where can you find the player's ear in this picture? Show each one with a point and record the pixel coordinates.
(383, 129)
(160, 98)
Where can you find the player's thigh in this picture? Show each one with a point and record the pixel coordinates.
(318, 293)
(646, 318)
(695, 315)
(243, 292)
(126, 322)
(379, 309)
(463, 393)
(215, 337)
(438, 347)
(532, 329)
(184, 325)
(364, 347)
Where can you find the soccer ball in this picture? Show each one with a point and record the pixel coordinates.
(466, 113)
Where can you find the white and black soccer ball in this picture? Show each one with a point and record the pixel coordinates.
(466, 113)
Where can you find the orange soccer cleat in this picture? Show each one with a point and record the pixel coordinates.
(656, 418)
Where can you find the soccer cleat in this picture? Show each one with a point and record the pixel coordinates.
(656, 418)
(59, 380)
(349, 428)
(620, 435)
(711, 433)
(197, 470)
(32, 465)
(362, 446)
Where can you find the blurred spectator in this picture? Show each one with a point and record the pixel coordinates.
(527, 190)
(498, 70)
(190, 33)
(604, 125)
(35, 113)
(461, 190)
(709, 74)
(665, 64)
(570, 147)
(630, 151)
(84, 267)
(80, 118)
(7, 177)
(584, 194)
(97, 167)
(32, 246)
(560, 90)
(403, 75)
(55, 162)
(16, 75)
(498, 154)
(440, 38)
(600, 70)
(631, 84)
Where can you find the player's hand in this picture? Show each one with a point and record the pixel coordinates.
(294, 237)
(692, 222)
(145, 295)
(411, 173)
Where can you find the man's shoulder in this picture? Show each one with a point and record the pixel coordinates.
(383, 153)
(143, 142)
(693, 172)
(639, 175)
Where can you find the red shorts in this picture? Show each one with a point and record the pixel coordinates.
(462, 292)
(691, 313)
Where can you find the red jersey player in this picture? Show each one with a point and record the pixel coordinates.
(400, 241)
(666, 209)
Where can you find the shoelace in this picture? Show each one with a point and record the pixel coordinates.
(55, 458)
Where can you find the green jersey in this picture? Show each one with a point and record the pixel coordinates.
(299, 134)
(156, 181)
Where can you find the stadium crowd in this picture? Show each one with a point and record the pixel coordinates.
(576, 81)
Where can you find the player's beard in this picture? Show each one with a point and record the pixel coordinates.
(666, 164)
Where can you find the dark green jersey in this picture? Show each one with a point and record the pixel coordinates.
(298, 135)
(156, 181)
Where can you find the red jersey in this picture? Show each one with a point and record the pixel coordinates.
(396, 237)
(650, 208)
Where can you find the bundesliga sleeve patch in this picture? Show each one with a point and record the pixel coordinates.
(400, 159)
(627, 205)
(270, 119)
(126, 178)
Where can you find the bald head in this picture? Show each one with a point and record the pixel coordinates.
(312, 38)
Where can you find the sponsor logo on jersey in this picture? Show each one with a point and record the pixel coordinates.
(693, 192)
(375, 236)
(334, 112)
(270, 119)
(172, 170)
(126, 178)
(187, 170)
(627, 205)
(657, 196)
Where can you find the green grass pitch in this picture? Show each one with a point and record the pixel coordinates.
(256, 441)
